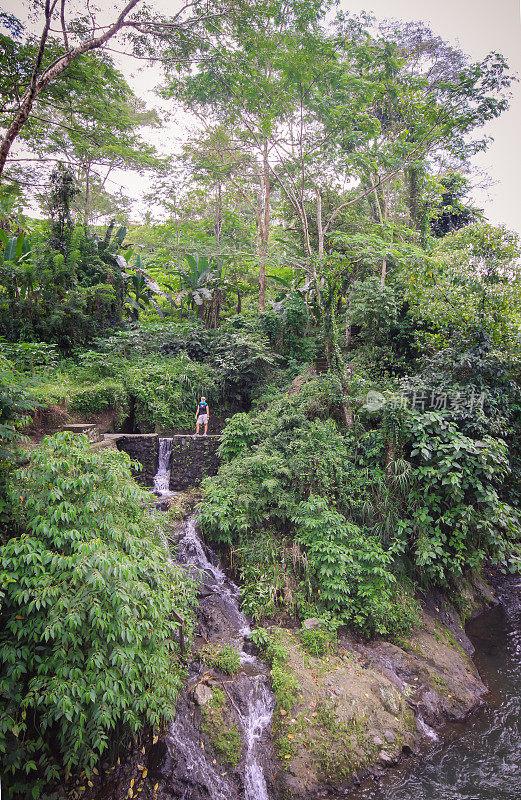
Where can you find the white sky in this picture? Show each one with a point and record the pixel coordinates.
(476, 26)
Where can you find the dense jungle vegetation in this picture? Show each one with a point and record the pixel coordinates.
(312, 262)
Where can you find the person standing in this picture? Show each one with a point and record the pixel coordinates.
(202, 416)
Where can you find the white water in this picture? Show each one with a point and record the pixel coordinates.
(258, 717)
(162, 476)
(197, 762)
(426, 729)
(255, 712)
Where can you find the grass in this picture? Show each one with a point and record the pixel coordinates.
(223, 658)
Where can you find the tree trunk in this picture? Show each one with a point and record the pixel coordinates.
(264, 231)
(39, 82)
(319, 223)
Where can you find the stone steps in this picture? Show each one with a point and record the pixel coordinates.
(87, 428)
(98, 440)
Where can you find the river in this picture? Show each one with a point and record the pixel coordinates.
(479, 758)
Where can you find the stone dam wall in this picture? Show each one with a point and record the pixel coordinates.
(192, 458)
(142, 447)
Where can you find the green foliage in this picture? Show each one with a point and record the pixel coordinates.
(27, 355)
(285, 686)
(459, 517)
(238, 436)
(103, 395)
(224, 658)
(317, 641)
(88, 637)
(352, 571)
(373, 308)
(15, 407)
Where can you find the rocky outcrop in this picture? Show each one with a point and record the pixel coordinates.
(359, 708)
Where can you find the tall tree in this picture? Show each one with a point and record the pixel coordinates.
(190, 28)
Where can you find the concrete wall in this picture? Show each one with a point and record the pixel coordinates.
(142, 447)
(192, 460)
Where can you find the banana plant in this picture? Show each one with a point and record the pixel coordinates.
(17, 249)
(140, 288)
(197, 280)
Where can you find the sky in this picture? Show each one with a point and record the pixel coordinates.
(476, 26)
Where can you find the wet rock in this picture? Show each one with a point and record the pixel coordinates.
(158, 757)
(202, 694)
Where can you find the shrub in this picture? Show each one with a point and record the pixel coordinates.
(99, 397)
(317, 641)
(285, 686)
(459, 516)
(88, 651)
(352, 571)
(224, 658)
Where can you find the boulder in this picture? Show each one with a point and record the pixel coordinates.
(202, 694)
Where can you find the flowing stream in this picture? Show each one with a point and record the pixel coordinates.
(189, 764)
(478, 758)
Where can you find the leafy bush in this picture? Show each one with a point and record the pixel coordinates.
(459, 517)
(27, 355)
(317, 641)
(88, 647)
(373, 308)
(238, 436)
(224, 658)
(353, 572)
(14, 415)
(285, 686)
(100, 396)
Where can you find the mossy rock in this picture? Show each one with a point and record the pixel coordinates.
(221, 729)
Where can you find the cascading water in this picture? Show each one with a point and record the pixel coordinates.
(260, 710)
(162, 476)
(191, 771)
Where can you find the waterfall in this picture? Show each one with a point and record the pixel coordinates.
(252, 694)
(162, 476)
(260, 711)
